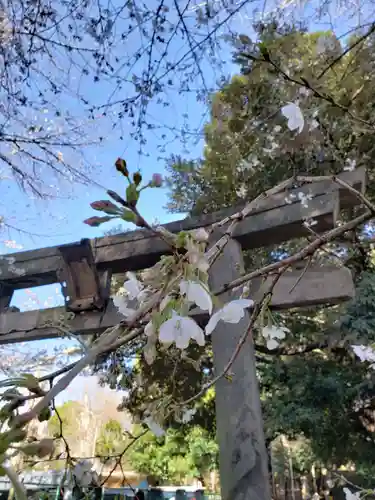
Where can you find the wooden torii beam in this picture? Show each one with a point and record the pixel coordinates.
(294, 289)
(273, 222)
(85, 270)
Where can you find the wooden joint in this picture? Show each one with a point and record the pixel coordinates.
(85, 288)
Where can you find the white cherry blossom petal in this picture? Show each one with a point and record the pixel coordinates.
(200, 234)
(149, 350)
(86, 479)
(197, 334)
(83, 472)
(232, 312)
(154, 427)
(349, 495)
(196, 293)
(364, 353)
(180, 329)
(272, 344)
(202, 264)
(196, 257)
(121, 303)
(188, 415)
(294, 116)
(274, 332)
(212, 322)
(132, 286)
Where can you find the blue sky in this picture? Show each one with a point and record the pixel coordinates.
(39, 223)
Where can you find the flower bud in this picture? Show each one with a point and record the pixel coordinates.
(157, 180)
(96, 221)
(200, 234)
(105, 206)
(137, 178)
(121, 167)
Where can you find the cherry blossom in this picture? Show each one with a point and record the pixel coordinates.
(196, 257)
(157, 180)
(308, 223)
(200, 234)
(304, 198)
(241, 192)
(349, 495)
(294, 116)
(154, 427)
(132, 286)
(232, 312)
(149, 350)
(272, 334)
(121, 303)
(364, 353)
(83, 473)
(188, 415)
(350, 165)
(180, 329)
(197, 293)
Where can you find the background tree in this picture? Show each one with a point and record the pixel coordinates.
(312, 386)
(111, 441)
(176, 458)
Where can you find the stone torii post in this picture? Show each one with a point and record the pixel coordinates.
(85, 271)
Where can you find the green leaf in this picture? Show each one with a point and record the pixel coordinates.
(264, 51)
(181, 239)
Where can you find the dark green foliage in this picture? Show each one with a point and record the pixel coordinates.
(111, 440)
(176, 456)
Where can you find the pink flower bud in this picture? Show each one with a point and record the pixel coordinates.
(105, 206)
(157, 180)
(96, 221)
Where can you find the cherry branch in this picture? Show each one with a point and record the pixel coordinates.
(115, 337)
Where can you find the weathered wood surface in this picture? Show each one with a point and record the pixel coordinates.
(85, 289)
(243, 457)
(327, 285)
(273, 221)
(43, 323)
(294, 289)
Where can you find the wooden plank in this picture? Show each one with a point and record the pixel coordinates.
(330, 285)
(242, 451)
(138, 249)
(294, 289)
(39, 324)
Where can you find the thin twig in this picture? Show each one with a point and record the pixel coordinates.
(254, 315)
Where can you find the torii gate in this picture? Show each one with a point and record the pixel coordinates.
(85, 269)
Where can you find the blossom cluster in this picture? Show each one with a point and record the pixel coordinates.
(184, 280)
